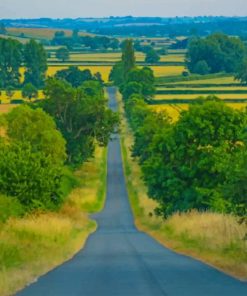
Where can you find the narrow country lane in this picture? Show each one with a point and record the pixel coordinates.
(118, 260)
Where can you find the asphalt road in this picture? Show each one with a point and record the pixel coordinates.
(118, 260)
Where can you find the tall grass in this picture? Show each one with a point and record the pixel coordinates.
(33, 245)
(214, 238)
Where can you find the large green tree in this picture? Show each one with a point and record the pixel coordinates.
(128, 57)
(35, 62)
(62, 54)
(81, 116)
(220, 52)
(184, 170)
(10, 62)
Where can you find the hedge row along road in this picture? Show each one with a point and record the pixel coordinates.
(120, 260)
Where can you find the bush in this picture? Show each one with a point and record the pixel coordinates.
(9, 207)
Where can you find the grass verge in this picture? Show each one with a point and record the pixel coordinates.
(213, 238)
(35, 244)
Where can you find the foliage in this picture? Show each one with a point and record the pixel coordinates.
(152, 56)
(198, 162)
(29, 91)
(29, 176)
(35, 63)
(242, 72)
(9, 207)
(62, 54)
(218, 51)
(37, 128)
(202, 68)
(128, 57)
(74, 75)
(10, 62)
(81, 116)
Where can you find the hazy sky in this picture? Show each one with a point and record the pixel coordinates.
(98, 8)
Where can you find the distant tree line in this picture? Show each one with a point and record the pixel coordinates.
(90, 42)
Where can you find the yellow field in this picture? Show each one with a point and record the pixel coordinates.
(160, 71)
(192, 97)
(173, 110)
(220, 80)
(173, 58)
(17, 95)
(230, 88)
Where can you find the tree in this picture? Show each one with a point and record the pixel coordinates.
(128, 57)
(184, 171)
(202, 68)
(241, 74)
(30, 177)
(10, 92)
(116, 74)
(62, 54)
(74, 75)
(35, 63)
(145, 78)
(39, 130)
(152, 56)
(220, 52)
(130, 89)
(81, 116)
(29, 91)
(10, 62)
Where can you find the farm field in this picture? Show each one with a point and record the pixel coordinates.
(174, 110)
(40, 33)
(220, 88)
(16, 95)
(220, 80)
(160, 71)
(195, 96)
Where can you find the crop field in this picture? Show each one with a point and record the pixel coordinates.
(209, 89)
(195, 96)
(174, 110)
(173, 58)
(220, 80)
(39, 33)
(160, 71)
(4, 98)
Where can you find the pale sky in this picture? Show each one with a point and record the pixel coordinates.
(100, 8)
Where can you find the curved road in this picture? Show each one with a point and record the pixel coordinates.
(118, 260)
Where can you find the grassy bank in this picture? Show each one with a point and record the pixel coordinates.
(33, 245)
(214, 238)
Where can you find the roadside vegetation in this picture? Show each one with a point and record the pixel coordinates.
(52, 163)
(193, 170)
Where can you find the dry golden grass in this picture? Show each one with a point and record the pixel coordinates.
(220, 80)
(17, 94)
(214, 238)
(33, 245)
(5, 108)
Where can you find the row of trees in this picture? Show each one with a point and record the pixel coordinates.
(92, 42)
(198, 162)
(14, 55)
(40, 139)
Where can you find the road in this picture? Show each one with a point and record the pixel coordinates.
(118, 260)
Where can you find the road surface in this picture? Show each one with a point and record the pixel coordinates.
(118, 260)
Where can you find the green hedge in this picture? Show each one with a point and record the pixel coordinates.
(190, 101)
